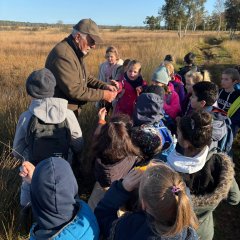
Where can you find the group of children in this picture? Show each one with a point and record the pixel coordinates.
(161, 161)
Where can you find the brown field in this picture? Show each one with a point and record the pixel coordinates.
(25, 50)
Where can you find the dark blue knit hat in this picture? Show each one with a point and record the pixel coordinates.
(41, 84)
(53, 192)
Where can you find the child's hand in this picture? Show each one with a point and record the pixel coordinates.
(102, 114)
(132, 180)
(139, 90)
(26, 171)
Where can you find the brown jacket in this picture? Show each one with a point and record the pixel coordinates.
(73, 83)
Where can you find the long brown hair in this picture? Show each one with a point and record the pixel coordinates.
(114, 143)
(164, 193)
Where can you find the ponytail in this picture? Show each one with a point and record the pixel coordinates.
(164, 193)
(185, 216)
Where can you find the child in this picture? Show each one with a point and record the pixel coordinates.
(204, 95)
(45, 112)
(107, 70)
(175, 82)
(189, 60)
(191, 78)
(166, 211)
(128, 89)
(56, 210)
(148, 139)
(228, 95)
(148, 112)
(209, 178)
(114, 154)
(171, 100)
(122, 69)
(190, 156)
(169, 58)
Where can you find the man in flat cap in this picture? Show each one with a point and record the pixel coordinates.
(66, 62)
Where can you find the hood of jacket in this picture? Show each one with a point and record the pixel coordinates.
(222, 189)
(218, 124)
(49, 110)
(183, 164)
(53, 192)
(105, 174)
(83, 225)
(148, 109)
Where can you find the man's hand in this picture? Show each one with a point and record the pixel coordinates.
(26, 171)
(110, 88)
(115, 84)
(109, 96)
(132, 180)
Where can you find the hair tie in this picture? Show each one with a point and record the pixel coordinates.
(175, 190)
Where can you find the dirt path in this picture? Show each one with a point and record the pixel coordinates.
(214, 58)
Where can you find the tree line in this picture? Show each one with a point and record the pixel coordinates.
(186, 15)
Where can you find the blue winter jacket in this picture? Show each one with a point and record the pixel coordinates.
(84, 226)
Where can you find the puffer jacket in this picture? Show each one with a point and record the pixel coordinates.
(83, 226)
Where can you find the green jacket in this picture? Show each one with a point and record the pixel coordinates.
(74, 84)
(204, 205)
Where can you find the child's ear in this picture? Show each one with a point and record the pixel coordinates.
(203, 103)
(186, 144)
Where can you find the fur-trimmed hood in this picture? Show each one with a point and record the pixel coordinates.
(222, 189)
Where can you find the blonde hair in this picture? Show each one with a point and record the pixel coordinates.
(164, 192)
(113, 50)
(169, 67)
(198, 76)
(133, 63)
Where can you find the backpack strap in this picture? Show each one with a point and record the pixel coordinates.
(234, 107)
(31, 125)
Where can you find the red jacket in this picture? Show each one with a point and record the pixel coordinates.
(126, 98)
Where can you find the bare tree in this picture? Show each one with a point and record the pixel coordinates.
(219, 9)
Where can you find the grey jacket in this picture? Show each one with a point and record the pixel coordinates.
(49, 110)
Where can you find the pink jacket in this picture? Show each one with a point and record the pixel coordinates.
(126, 98)
(172, 103)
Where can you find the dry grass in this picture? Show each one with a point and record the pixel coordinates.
(23, 51)
(233, 46)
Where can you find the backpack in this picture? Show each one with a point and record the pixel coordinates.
(225, 144)
(47, 140)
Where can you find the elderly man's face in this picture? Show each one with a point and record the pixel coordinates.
(85, 43)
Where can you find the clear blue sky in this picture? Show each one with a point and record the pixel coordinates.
(103, 12)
